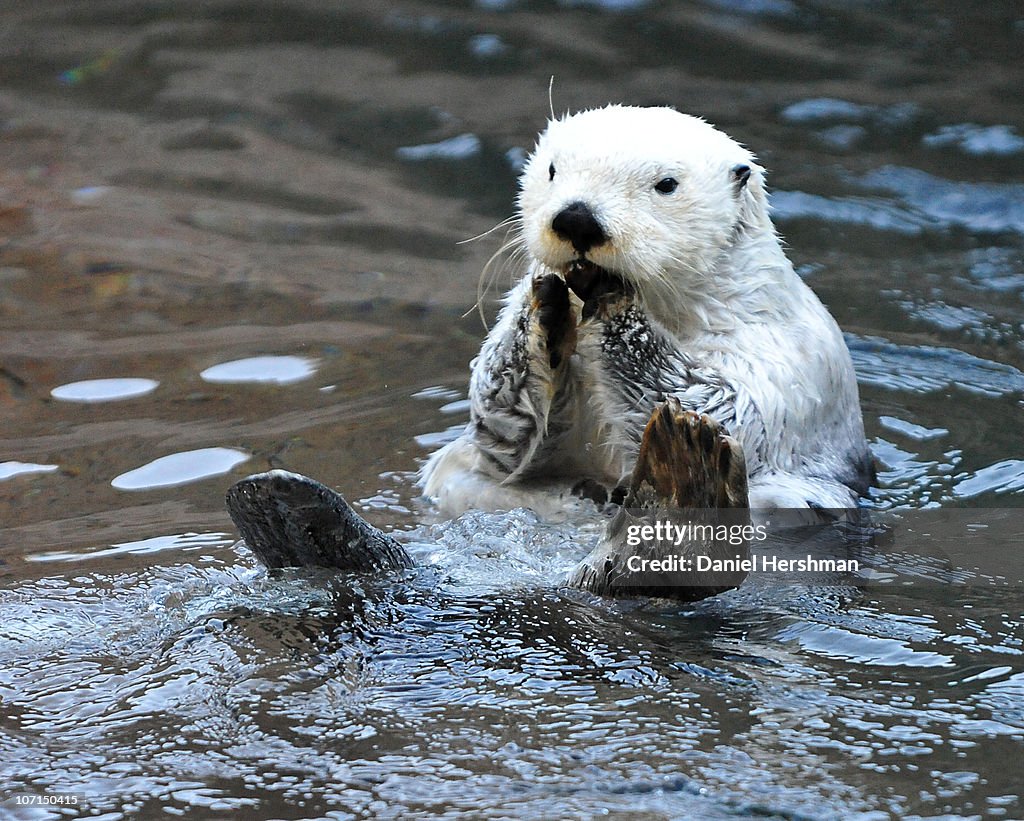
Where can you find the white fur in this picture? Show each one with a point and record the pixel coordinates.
(721, 297)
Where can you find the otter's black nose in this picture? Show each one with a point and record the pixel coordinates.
(577, 224)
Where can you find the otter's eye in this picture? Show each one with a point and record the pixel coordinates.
(667, 185)
(551, 172)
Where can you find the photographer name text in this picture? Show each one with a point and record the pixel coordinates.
(750, 564)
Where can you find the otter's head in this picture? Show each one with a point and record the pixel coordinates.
(650, 195)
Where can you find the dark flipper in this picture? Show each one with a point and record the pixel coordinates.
(688, 473)
(289, 520)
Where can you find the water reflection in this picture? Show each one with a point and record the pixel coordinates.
(104, 390)
(180, 468)
(191, 184)
(156, 544)
(461, 147)
(979, 207)
(9, 470)
(1002, 477)
(278, 370)
(998, 140)
(926, 369)
(435, 695)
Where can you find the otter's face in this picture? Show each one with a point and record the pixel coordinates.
(649, 194)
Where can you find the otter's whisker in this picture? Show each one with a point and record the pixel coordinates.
(510, 251)
(503, 224)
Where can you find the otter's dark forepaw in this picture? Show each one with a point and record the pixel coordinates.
(598, 289)
(554, 315)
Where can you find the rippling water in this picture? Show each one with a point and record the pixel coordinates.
(231, 241)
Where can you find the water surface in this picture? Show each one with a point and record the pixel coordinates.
(231, 241)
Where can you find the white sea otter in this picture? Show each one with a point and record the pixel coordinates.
(659, 344)
(654, 273)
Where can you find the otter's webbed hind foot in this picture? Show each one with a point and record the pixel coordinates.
(687, 460)
(690, 479)
(289, 520)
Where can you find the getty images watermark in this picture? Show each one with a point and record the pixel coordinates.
(693, 553)
(683, 537)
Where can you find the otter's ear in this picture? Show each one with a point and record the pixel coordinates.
(748, 185)
(740, 174)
